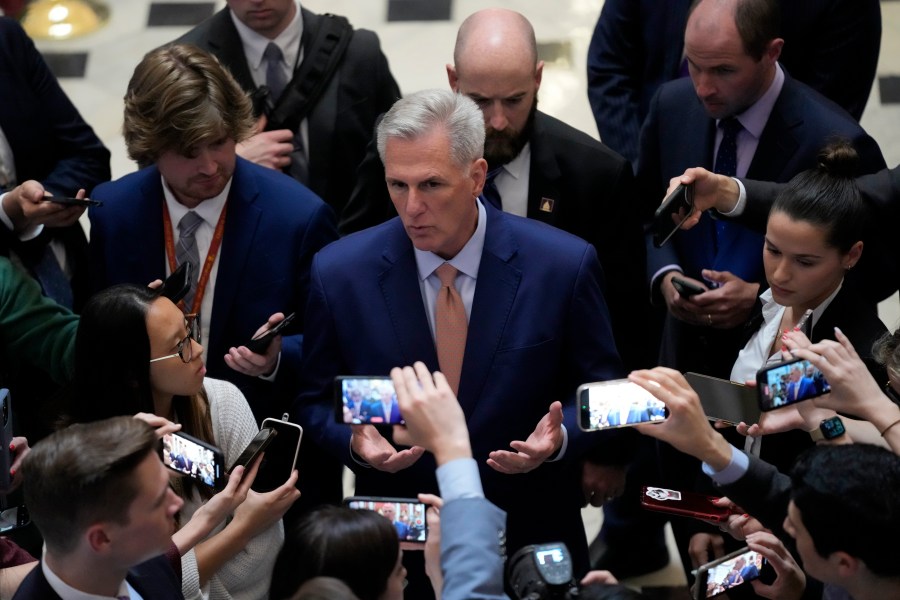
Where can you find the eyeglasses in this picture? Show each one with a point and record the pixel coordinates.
(185, 348)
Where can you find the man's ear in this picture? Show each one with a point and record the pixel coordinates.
(452, 78)
(538, 74)
(773, 50)
(479, 175)
(98, 538)
(844, 565)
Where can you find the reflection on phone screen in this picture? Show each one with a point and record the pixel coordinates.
(408, 518)
(369, 400)
(792, 382)
(618, 403)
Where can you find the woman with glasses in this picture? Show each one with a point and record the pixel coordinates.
(135, 353)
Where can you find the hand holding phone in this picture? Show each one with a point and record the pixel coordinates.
(178, 284)
(260, 343)
(256, 447)
(735, 569)
(687, 504)
(687, 288)
(280, 457)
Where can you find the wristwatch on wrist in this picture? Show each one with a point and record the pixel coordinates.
(828, 430)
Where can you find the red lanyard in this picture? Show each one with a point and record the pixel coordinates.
(210, 255)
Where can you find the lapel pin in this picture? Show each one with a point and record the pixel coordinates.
(547, 204)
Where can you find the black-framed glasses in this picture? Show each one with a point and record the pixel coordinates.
(891, 392)
(185, 348)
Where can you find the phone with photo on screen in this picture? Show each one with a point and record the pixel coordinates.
(361, 400)
(736, 569)
(789, 382)
(406, 514)
(194, 458)
(617, 403)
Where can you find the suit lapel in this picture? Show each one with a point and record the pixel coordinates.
(227, 46)
(148, 261)
(241, 221)
(778, 143)
(399, 285)
(495, 294)
(544, 177)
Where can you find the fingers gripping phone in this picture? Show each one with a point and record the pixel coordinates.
(194, 458)
(72, 201)
(788, 383)
(686, 288)
(260, 343)
(617, 403)
(406, 514)
(280, 457)
(366, 400)
(672, 213)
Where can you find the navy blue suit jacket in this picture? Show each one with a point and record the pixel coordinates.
(539, 327)
(679, 134)
(153, 579)
(831, 45)
(273, 227)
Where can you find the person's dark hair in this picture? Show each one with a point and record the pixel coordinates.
(359, 547)
(324, 588)
(827, 197)
(758, 22)
(848, 497)
(886, 352)
(81, 475)
(112, 367)
(179, 97)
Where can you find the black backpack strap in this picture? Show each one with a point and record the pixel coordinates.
(321, 60)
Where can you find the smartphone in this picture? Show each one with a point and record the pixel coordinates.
(194, 458)
(14, 518)
(687, 504)
(406, 514)
(5, 440)
(366, 400)
(281, 456)
(686, 288)
(724, 400)
(178, 284)
(738, 568)
(617, 403)
(673, 211)
(788, 383)
(260, 343)
(72, 201)
(257, 445)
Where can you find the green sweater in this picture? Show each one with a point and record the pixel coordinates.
(34, 330)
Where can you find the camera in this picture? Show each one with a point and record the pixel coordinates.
(542, 572)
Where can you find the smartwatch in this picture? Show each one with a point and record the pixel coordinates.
(828, 430)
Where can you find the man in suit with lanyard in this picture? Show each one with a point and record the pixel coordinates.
(100, 496)
(318, 84)
(250, 232)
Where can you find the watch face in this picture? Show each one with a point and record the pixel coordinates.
(832, 428)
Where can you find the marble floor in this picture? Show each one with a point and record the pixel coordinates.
(417, 36)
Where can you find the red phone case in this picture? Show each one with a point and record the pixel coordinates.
(687, 504)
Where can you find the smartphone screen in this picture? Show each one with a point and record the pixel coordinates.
(406, 514)
(788, 383)
(687, 504)
(257, 445)
(366, 400)
(281, 456)
(673, 211)
(189, 456)
(617, 403)
(13, 518)
(736, 569)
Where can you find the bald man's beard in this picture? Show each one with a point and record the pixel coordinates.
(500, 147)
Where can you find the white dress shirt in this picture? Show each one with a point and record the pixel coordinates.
(512, 183)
